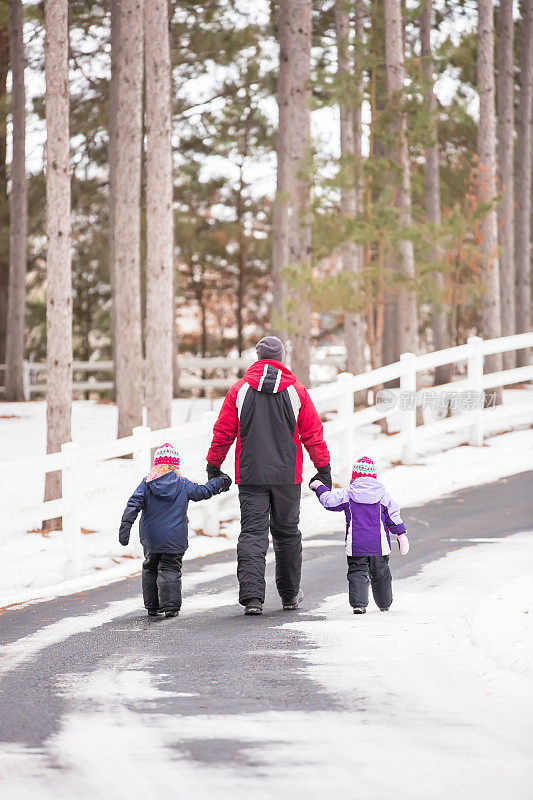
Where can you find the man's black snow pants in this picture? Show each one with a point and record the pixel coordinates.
(363, 570)
(278, 508)
(161, 581)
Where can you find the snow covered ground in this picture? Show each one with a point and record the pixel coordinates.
(435, 697)
(36, 562)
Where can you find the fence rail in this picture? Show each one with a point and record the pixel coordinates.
(335, 399)
(35, 371)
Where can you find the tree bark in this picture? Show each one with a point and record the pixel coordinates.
(351, 193)
(486, 179)
(441, 338)
(159, 218)
(18, 212)
(126, 248)
(505, 122)
(395, 70)
(4, 201)
(58, 266)
(523, 180)
(114, 6)
(292, 228)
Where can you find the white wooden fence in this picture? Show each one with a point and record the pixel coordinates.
(34, 374)
(335, 399)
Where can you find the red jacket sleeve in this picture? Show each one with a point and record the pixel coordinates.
(311, 430)
(225, 429)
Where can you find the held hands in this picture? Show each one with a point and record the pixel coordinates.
(323, 475)
(226, 481)
(403, 544)
(214, 472)
(315, 484)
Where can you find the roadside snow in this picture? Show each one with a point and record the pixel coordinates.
(435, 701)
(36, 562)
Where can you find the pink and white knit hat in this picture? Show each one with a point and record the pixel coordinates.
(166, 454)
(364, 468)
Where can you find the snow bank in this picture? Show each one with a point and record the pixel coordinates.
(432, 699)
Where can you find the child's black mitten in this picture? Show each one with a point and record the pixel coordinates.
(124, 534)
(226, 481)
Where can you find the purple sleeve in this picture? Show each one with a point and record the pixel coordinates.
(334, 500)
(391, 515)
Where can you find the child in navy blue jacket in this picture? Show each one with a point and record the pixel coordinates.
(163, 497)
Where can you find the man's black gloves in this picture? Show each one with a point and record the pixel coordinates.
(124, 533)
(214, 472)
(324, 476)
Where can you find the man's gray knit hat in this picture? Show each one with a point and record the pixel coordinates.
(270, 348)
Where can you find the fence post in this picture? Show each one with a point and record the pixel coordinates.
(345, 419)
(142, 462)
(408, 411)
(71, 491)
(475, 380)
(26, 387)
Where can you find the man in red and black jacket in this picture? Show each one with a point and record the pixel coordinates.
(270, 414)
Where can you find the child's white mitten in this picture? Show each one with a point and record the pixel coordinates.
(314, 485)
(403, 542)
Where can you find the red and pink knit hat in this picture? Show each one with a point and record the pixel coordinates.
(166, 454)
(364, 468)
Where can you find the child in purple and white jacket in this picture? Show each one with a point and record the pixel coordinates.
(371, 516)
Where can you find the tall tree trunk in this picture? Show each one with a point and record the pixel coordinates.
(291, 224)
(114, 6)
(58, 267)
(486, 179)
(523, 179)
(4, 201)
(292, 233)
(350, 141)
(395, 70)
(126, 248)
(280, 215)
(18, 221)
(441, 338)
(505, 109)
(159, 218)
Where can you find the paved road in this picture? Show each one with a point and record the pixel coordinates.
(220, 662)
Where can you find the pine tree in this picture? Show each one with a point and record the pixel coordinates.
(159, 218)
(486, 179)
(395, 70)
(18, 212)
(505, 152)
(126, 246)
(292, 222)
(432, 187)
(58, 265)
(523, 179)
(350, 142)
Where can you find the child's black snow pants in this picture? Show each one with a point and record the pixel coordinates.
(363, 570)
(161, 581)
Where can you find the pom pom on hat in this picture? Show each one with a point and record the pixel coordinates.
(166, 454)
(364, 468)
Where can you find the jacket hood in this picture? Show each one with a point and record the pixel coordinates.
(366, 490)
(269, 376)
(166, 487)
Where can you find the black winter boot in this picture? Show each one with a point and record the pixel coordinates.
(293, 604)
(170, 614)
(154, 612)
(359, 610)
(253, 606)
